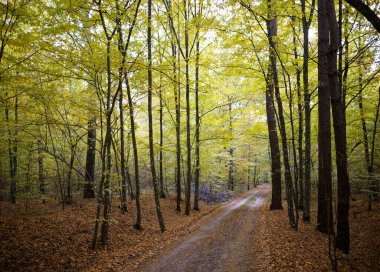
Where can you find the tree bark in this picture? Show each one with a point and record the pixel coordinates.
(305, 74)
(41, 170)
(12, 149)
(88, 191)
(176, 62)
(123, 167)
(375, 187)
(197, 118)
(273, 79)
(135, 153)
(230, 151)
(343, 228)
(107, 149)
(276, 202)
(69, 197)
(161, 155)
(324, 220)
(188, 128)
(150, 119)
(298, 166)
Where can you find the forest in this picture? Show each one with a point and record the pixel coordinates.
(189, 135)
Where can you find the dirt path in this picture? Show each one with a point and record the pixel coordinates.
(223, 243)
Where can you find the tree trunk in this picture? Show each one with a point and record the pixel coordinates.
(41, 171)
(135, 153)
(343, 228)
(276, 201)
(324, 220)
(298, 165)
(90, 160)
(176, 58)
(231, 152)
(123, 168)
(107, 149)
(375, 187)
(12, 150)
(69, 197)
(273, 79)
(177, 98)
(188, 128)
(197, 123)
(150, 119)
(305, 73)
(162, 192)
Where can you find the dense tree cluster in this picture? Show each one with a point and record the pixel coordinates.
(110, 99)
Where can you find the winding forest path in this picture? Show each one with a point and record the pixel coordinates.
(223, 243)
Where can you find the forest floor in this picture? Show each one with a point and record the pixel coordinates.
(239, 235)
(244, 235)
(223, 243)
(282, 249)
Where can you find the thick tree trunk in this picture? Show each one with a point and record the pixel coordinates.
(276, 202)
(343, 228)
(324, 220)
(150, 120)
(273, 79)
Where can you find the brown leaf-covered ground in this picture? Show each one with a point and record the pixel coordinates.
(283, 249)
(45, 238)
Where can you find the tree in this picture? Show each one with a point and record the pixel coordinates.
(88, 191)
(151, 148)
(274, 85)
(337, 105)
(276, 200)
(306, 23)
(175, 62)
(324, 221)
(367, 12)
(197, 14)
